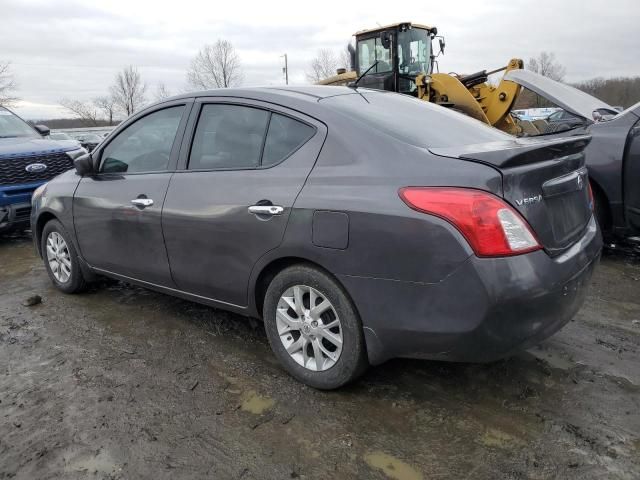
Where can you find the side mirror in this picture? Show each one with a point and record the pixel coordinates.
(42, 130)
(385, 38)
(442, 44)
(84, 164)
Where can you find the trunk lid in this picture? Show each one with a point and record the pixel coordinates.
(565, 96)
(543, 179)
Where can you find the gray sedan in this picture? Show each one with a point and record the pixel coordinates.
(360, 225)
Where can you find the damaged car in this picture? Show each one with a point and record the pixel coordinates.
(612, 156)
(360, 225)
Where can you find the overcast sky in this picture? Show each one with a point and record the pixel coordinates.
(74, 49)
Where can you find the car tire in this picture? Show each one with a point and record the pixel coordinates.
(68, 278)
(339, 365)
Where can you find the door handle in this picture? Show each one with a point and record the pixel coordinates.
(142, 202)
(266, 209)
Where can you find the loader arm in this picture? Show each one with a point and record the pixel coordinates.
(472, 95)
(497, 101)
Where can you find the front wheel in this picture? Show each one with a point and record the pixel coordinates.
(313, 328)
(61, 259)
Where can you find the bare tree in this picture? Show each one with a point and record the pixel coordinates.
(84, 111)
(324, 65)
(129, 90)
(7, 85)
(107, 104)
(617, 91)
(162, 92)
(215, 66)
(546, 65)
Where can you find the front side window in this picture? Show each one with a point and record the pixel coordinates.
(370, 51)
(228, 136)
(145, 145)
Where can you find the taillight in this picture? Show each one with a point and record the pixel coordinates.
(491, 226)
(592, 202)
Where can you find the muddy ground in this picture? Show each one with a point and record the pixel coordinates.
(122, 382)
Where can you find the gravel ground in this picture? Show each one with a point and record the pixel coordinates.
(121, 382)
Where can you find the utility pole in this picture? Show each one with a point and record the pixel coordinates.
(285, 70)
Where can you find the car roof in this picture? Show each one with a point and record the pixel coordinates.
(311, 93)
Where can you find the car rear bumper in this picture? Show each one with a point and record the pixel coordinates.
(484, 310)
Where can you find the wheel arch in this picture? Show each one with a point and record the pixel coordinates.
(274, 266)
(44, 218)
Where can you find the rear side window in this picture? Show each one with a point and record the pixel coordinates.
(284, 137)
(228, 136)
(413, 121)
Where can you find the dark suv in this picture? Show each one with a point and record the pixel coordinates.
(27, 160)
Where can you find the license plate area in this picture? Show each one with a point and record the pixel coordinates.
(567, 202)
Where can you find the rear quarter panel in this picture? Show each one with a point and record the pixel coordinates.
(359, 174)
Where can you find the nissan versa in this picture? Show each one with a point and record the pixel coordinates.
(360, 225)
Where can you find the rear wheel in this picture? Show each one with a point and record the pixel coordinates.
(313, 328)
(61, 259)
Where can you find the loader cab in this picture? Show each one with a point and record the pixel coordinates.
(402, 52)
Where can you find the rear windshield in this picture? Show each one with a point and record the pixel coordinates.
(414, 121)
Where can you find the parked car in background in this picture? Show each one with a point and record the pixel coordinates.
(27, 160)
(63, 136)
(613, 155)
(534, 113)
(562, 120)
(89, 141)
(361, 225)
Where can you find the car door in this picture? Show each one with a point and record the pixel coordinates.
(117, 211)
(241, 169)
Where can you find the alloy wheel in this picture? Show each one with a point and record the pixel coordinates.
(309, 328)
(58, 257)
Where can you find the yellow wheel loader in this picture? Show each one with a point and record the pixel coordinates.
(400, 58)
